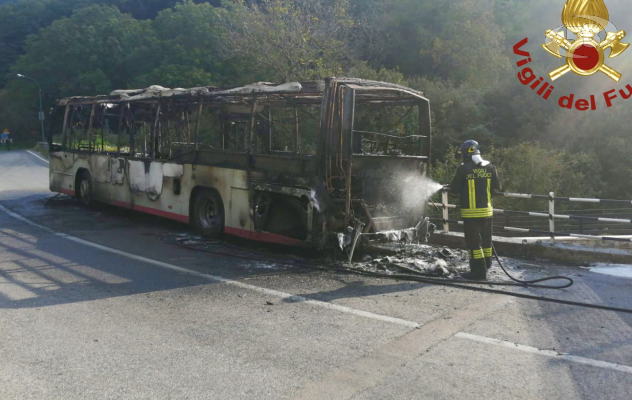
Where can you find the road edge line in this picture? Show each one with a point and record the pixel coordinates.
(547, 353)
(290, 298)
(40, 157)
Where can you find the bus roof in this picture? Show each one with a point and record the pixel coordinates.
(308, 91)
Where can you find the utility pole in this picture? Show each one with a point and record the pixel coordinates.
(40, 115)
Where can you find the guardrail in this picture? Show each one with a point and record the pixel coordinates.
(551, 215)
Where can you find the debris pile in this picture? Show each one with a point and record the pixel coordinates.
(418, 259)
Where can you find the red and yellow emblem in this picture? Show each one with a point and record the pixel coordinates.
(585, 56)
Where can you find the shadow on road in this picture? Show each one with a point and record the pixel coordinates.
(39, 269)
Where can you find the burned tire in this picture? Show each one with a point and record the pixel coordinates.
(84, 188)
(208, 213)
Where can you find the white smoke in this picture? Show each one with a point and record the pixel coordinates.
(415, 189)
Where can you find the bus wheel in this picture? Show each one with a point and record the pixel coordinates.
(208, 213)
(85, 188)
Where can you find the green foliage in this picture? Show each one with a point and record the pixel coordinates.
(459, 112)
(96, 50)
(459, 40)
(364, 71)
(445, 165)
(456, 52)
(535, 169)
(187, 47)
(288, 40)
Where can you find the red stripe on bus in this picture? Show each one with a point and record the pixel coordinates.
(121, 204)
(152, 211)
(67, 191)
(264, 237)
(257, 236)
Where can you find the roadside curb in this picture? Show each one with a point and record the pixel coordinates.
(566, 253)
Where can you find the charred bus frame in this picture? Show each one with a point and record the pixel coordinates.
(213, 157)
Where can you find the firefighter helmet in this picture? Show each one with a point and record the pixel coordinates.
(470, 148)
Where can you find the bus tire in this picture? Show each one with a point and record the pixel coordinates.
(208, 213)
(84, 188)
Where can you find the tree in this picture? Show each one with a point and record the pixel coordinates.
(458, 40)
(149, 9)
(19, 19)
(285, 40)
(96, 50)
(535, 169)
(27, 17)
(188, 39)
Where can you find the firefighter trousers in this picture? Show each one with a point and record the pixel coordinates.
(478, 239)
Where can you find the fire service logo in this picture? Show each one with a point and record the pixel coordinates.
(584, 56)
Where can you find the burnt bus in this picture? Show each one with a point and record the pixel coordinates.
(300, 163)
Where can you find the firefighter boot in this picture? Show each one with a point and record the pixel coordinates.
(478, 270)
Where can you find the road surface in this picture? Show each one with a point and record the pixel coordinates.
(97, 303)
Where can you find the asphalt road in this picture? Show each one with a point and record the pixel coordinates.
(99, 304)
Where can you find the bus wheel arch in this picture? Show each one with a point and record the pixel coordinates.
(207, 212)
(284, 215)
(83, 186)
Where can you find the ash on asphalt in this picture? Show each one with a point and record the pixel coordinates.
(409, 259)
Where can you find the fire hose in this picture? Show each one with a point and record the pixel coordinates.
(460, 284)
(532, 283)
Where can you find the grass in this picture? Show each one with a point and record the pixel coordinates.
(17, 146)
(26, 146)
(44, 153)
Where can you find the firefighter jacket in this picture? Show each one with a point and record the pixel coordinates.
(475, 184)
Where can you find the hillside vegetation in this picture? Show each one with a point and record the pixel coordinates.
(458, 52)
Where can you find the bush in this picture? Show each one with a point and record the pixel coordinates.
(533, 169)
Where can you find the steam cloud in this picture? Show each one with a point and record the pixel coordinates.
(415, 189)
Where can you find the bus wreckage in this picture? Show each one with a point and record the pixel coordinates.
(309, 164)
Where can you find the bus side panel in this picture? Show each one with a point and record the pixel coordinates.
(99, 168)
(150, 187)
(62, 179)
(237, 214)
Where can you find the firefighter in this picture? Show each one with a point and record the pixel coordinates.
(475, 183)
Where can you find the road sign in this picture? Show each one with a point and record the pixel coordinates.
(41, 115)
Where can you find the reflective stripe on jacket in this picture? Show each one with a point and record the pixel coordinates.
(475, 184)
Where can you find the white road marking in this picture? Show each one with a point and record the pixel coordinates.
(548, 353)
(268, 292)
(41, 158)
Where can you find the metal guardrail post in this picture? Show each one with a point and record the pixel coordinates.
(446, 212)
(552, 215)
